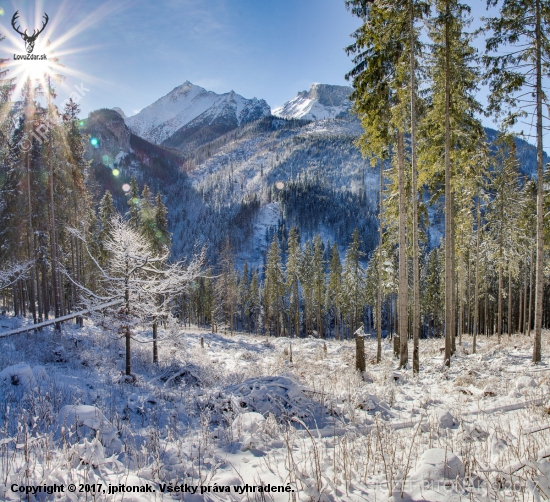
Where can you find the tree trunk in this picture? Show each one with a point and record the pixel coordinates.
(155, 347)
(53, 236)
(416, 272)
(531, 294)
(360, 353)
(403, 261)
(539, 281)
(380, 267)
(448, 204)
(525, 300)
(510, 323)
(499, 319)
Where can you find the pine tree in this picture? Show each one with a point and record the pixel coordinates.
(503, 215)
(274, 289)
(308, 286)
(334, 287)
(387, 49)
(450, 131)
(162, 235)
(516, 91)
(134, 216)
(292, 281)
(353, 283)
(106, 212)
(318, 283)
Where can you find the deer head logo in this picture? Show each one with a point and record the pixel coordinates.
(29, 39)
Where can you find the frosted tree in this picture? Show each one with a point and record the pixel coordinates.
(353, 283)
(135, 276)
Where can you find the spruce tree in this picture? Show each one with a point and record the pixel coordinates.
(450, 132)
(274, 288)
(516, 59)
(162, 235)
(134, 216)
(319, 283)
(334, 287)
(292, 280)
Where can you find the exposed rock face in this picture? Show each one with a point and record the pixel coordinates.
(109, 128)
(120, 112)
(322, 101)
(189, 107)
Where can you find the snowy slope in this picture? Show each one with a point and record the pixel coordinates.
(187, 102)
(322, 101)
(232, 414)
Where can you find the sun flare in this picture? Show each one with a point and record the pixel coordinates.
(51, 43)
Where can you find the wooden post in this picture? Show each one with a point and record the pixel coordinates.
(360, 352)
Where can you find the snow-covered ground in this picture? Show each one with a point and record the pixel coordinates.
(239, 412)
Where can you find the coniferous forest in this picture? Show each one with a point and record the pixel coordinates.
(413, 247)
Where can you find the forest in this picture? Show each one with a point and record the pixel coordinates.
(350, 309)
(415, 79)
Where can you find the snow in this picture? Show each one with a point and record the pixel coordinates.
(160, 120)
(19, 374)
(321, 102)
(238, 412)
(84, 418)
(437, 464)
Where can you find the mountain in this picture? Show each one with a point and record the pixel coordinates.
(120, 112)
(322, 101)
(116, 154)
(190, 115)
(247, 180)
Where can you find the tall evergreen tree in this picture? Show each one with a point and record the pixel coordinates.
(515, 77)
(292, 281)
(334, 288)
(450, 130)
(274, 289)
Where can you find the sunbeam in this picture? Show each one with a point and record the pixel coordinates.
(50, 44)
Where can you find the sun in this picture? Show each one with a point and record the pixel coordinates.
(52, 37)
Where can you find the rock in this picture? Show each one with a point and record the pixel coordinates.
(446, 420)
(489, 391)
(525, 382)
(438, 464)
(367, 378)
(59, 355)
(87, 419)
(19, 374)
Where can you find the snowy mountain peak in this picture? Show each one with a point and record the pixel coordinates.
(322, 101)
(191, 103)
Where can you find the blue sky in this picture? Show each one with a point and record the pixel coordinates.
(130, 53)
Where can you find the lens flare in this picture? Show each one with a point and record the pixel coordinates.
(94, 142)
(126, 187)
(116, 172)
(1, 11)
(280, 185)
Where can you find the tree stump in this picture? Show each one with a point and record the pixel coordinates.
(360, 353)
(396, 345)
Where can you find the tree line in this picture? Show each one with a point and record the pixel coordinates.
(415, 79)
